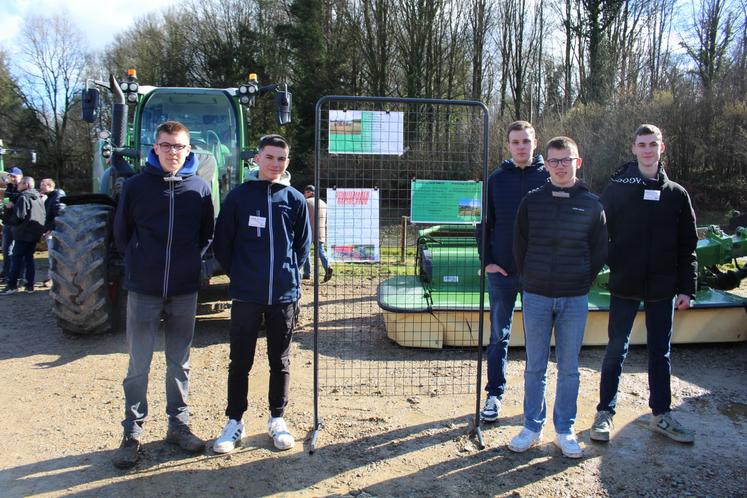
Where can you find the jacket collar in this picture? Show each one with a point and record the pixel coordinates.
(538, 164)
(630, 174)
(153, 166)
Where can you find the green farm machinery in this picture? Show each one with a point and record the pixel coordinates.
(440, 305)
(86, 268)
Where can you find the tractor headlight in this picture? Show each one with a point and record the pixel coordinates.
(132, 98)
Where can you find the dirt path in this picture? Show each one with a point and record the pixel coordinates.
(61, 402)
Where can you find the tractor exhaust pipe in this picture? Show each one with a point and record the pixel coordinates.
(119, 113)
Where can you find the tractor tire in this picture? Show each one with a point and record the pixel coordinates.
(85, 301)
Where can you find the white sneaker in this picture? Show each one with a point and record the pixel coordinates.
(491, 409)
(278, 431)
(230, 437)
(568, 445)
(524, 440)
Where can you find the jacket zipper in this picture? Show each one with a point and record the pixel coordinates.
(169, 240)
(272, 241)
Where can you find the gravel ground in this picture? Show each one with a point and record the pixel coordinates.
(61, 402)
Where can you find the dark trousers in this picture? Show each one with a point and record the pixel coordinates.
(23, 256)
(246, 319)
(659, 316)
(8, 250)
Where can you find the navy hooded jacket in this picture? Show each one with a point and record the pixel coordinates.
(262, 238)
(162, 225)
(507, 186)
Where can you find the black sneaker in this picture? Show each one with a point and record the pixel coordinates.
(327, 274)
(182, 436)
(128, 453)
(8, 292)
(30, 289)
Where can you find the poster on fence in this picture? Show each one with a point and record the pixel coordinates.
(366, 132)
(353, 225)
(445, 201)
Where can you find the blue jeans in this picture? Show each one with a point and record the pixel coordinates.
(567, 316)
(322, 258)
(502, 292)
(659, 315)
(144, 314)
(22, 257)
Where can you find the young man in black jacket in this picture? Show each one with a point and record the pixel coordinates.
(262, 239)
(560, 244)
(11, 181)
(164, 222)
(652, 260)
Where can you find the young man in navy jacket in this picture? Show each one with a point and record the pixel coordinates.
(506, 187)
(164, 222)
(262, 239)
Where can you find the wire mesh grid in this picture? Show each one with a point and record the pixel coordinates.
(402, 182)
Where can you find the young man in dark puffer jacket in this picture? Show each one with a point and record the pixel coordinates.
(560, 244)
(652, 260)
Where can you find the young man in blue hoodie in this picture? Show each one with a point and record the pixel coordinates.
(506, 187)
(164, 222)
(262, 239)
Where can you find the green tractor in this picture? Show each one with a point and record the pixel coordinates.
(86, 268)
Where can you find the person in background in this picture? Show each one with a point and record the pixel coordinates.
(11, 180)
(308, 193)
(53, 206)
(27, 217)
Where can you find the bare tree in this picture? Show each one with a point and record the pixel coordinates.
(53, 64)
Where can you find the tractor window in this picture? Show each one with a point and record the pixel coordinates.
(210, 116)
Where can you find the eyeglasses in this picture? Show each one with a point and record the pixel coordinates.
(167, 147)
(566, 161)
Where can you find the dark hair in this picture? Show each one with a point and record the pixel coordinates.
(648, 129)
(171, 128)
(518, 126)
(273, 141)
(561, 143)
(309, 188)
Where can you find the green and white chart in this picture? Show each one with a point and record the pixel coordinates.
(366, 132)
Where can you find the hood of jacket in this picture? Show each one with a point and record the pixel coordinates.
(153, 165)
(629, 174)
(252, 175)
(31, 193)
(538, 163)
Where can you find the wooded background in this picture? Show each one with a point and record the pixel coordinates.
(589, 69)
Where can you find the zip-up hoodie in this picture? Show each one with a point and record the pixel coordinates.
(652, 234)
(163, 223)
(27, 216)
(507, 186)
(262, 238)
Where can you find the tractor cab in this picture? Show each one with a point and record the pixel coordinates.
(212, 117)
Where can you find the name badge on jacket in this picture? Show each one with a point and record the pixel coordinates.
(651, 195)
(257, 221)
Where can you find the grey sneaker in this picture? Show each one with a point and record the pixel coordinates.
(183, 437)
(602, 426)
(128, 453)
(667, 425)
(491, 409)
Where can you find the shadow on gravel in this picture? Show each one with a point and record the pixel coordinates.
(164, 471)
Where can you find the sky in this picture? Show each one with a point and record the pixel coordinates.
(99, 20)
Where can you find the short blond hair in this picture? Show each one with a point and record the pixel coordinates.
(562, 143)
(518, 126)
